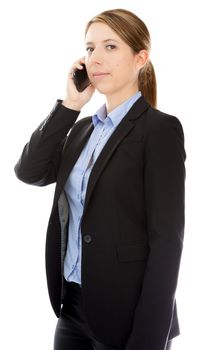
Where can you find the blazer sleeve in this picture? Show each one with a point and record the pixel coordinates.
(164, 180)
(38, 164)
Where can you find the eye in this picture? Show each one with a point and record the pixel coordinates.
(111, 47)
(89, 49)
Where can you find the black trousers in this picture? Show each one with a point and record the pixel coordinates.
(72, 331)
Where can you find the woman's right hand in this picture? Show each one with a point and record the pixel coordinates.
(75, 99)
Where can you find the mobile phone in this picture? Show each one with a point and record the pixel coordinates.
(81, 79)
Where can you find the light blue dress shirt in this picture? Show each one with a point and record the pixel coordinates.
(76, 184)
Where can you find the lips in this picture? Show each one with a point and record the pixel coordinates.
(98, 74)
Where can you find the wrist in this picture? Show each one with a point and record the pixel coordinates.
(71, 105)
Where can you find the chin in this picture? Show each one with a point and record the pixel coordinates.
(105, 90)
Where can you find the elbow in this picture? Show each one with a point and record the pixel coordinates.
(25, 176)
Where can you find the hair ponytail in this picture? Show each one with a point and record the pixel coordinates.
(147, 83)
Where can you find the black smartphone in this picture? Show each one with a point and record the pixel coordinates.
(81, 79)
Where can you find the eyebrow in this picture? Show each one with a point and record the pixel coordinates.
(104, 41)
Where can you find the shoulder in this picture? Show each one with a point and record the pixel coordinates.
(163, 135)
(82, 122)
(158, 119)
(80, 126)
(159, 123)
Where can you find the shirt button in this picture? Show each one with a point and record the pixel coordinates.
(87, 238)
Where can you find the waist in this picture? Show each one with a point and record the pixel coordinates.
(70, 285)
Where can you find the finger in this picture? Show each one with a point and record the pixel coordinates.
(82, 59)
(71, 74)
(80, 62)
(77, 65)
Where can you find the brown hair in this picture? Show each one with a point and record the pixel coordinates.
(134, 32)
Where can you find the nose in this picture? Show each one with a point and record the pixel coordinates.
(96, 56)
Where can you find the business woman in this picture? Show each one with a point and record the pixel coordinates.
(115, 233)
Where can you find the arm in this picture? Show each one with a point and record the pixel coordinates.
(164, 197)
(39, 162)
(41, 156)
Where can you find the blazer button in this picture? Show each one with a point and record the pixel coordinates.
(87, 238)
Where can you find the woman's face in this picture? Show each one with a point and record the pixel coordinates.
(111, 64)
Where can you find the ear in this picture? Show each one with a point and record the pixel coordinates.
(141, 58)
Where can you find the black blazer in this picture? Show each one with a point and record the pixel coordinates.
(132, 224)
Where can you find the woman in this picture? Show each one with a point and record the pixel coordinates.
(115, 233)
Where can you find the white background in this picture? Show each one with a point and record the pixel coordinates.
(39, 42)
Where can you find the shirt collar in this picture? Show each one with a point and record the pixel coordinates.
(117, 114)
(100, 115)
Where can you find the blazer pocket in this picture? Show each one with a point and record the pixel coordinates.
(132, 252)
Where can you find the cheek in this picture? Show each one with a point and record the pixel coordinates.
(123, 65)
(122, 70)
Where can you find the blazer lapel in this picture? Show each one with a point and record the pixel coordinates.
(77, 144)
(125, 126)
(74, 151)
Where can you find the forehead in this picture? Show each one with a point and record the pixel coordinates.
(99, 32)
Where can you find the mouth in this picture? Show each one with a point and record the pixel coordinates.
(99, 75)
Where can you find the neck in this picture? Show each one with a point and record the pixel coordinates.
(113, 101)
